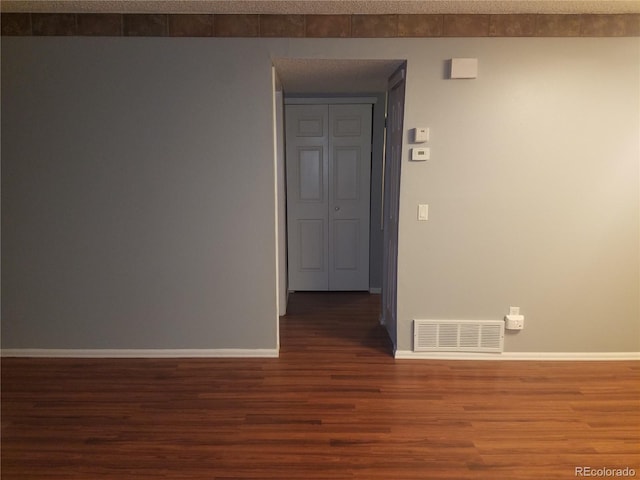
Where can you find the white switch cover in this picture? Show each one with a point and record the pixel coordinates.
(423, 212)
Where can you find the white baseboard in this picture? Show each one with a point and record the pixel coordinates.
(536, 356)
(140, 353)
(375, 290)
(571, 356)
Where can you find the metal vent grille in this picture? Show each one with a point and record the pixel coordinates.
(458, 335)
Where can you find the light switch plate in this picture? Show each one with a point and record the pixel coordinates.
(423, 212)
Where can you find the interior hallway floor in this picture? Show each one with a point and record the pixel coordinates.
(334, 405)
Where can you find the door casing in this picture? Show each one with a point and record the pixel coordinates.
(391, 202)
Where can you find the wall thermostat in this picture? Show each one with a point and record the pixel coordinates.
(420, 134)
(420, 154)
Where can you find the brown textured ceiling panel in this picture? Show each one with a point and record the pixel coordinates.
(323, 6)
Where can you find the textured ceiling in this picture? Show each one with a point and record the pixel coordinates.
(323, 6)
(334, 76)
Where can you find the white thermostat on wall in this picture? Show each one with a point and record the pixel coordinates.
(420, 154)
(420, 134)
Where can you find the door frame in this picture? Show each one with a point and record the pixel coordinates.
(379, 133)
(392, 166)
(329, 100)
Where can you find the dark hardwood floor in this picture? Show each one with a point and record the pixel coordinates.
(335, 405)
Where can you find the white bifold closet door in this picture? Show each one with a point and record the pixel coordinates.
(328, 159)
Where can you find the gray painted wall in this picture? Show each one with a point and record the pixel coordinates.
(533, 192)
(138, 190)
(533, 187)
(137, 194)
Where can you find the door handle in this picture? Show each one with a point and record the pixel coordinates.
(336, 209)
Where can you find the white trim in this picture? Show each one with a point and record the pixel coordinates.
(274, 107)
(375, 290)
(506, 356)
(572, 356)
(141, 353)
(274, 121)
(328, 100)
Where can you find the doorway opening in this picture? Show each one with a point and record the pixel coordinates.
(332, 90)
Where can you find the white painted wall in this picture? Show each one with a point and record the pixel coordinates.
(137, 214)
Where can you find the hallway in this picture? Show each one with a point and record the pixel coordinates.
(346, 323)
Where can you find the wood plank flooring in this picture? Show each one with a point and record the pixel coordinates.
(335, 405)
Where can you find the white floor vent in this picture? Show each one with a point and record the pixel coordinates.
(458, 335)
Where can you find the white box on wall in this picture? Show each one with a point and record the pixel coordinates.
(464, 68)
